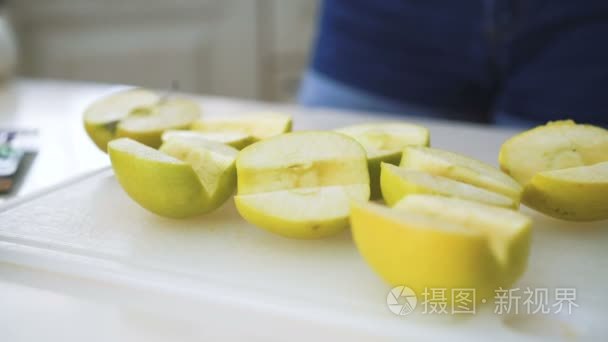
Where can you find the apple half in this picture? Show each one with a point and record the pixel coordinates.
(460, 168)
(397, 182)
(258, 125)
(186, 177)
(138, 114)
(384, 142)
(556, 165)
(429, 241)
(556, 145)
(299, 185)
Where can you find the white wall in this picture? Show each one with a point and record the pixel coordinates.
(243, 48)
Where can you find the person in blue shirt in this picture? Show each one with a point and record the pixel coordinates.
(513, 62)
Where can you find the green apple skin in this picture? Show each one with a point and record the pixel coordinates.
(100, 134)
(394, 188)
(168, 188)
(373, 165)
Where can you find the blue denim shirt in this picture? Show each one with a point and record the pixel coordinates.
(537, 59)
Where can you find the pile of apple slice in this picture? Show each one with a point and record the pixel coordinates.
(138, 114)
(151, 118)
(168, 157)
(449, 221)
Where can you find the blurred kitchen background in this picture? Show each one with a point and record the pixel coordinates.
(242, 48)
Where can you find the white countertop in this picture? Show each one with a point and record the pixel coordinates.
(55, 110)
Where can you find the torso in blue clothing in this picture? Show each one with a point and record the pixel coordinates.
(538, 59)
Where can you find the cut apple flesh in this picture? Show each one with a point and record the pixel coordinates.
(385, 138)
(300, 174)
(302, 213)
(460, 168)
(383, 142)
(557, 145)
(237, 140)
(208, 159)
(258, 125)
(115, 107)
(146, 124)
(431, 241)
(170, 186)
(578, 193)
(300, 184)
(398, 182)
(299, 160)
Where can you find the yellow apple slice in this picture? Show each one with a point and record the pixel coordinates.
(260, 125)
(138, 114)
(429, 241)
(397, 182)
(384, 142)
(556, 145)
(237, 140)
(299, 185)
(460, 168)
(576, 194)
(185, 178)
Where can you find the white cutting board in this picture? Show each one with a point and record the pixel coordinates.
(97, 265)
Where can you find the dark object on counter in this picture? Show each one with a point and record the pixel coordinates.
(15, 147)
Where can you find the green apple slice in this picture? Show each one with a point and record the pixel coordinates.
(138, 114)
(185, 178)
(556, 145)
(237, 140)
(577, 194)
(384, 142)
(302, 213)
(260, 125)
(460, 168)
(299, 185)
(429, 241)
(397, 182)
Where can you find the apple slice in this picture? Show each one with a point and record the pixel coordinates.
(397, 182)
(260, 125)
(299, 185)
(185, 178)
(237, 140)
(556, 145)
(460, 168)
(429, 241)
(576, 194)
(138, 114)
(384, 142)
